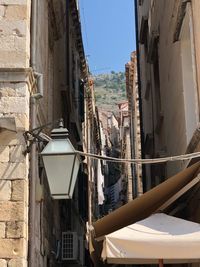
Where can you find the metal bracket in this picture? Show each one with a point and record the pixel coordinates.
(36, 135)
(31, 137)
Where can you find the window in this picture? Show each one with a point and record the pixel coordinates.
(156, 72)
(144, 33)
(153, 58)
(147, 91)
(141, 2)
(179, 20)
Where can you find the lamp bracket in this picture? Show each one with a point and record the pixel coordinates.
(36, 135)
(31, 137)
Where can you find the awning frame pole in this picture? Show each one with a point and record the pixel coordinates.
(161, 263)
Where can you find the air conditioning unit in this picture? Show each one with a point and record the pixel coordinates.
(69, 246)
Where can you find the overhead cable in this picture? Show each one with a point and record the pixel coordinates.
(142, 161)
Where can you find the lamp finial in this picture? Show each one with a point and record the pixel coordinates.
(61, 123)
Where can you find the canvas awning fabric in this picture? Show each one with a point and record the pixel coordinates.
(143, 206)
(159, 236)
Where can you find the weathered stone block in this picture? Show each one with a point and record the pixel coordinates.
(14, 89)
(3, 263)
(11, 211)
(16, 12)
(7, 43)
(16, 230)
(13, 2)
(16, 153)
(11, 171)
(5, 190)
(14, 105)
(2, 230)
(22, 89)
(19, 190)
(14, 59)
(22, 122)
(4, 153)
(18, 28)
(12, 248)
(11, 138)
(13, 43)
(17, 263)
(7, 90)
(21, 43)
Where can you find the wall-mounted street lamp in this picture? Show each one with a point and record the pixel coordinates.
(61, 163)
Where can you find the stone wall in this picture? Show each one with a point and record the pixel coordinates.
(14, 103)
(196, 24)
(18, 82)
(168, 81)
(135, 133)
(14, 33)
(15, 90)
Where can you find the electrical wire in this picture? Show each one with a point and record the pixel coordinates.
(142, 161)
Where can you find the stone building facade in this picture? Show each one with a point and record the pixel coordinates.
(42, 78)
(125, 142)
(92, 144)
(134, 122)
(168, 57)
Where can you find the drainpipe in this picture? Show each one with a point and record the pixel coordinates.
(32, 189)
(38, 76)
(32, 177)
(33, 124)
(140, 98)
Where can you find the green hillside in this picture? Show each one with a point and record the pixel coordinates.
(110, 89)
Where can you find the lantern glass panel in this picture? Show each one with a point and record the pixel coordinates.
(58, 146)
(59, 173)
(75, 173)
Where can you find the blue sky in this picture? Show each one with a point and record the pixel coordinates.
(108, 29)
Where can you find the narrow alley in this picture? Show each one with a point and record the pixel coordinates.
(99, 133)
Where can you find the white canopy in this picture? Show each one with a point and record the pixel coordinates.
(158, 237)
